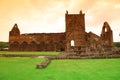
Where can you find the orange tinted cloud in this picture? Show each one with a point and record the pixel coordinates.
(48, 15)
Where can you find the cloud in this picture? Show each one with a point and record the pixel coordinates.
(77, 5)
(97, 12)
(49, 15)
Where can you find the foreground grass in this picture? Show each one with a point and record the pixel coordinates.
(89, 69)
(36, 53)
(18, 68)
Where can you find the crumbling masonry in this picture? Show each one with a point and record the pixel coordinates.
(75, 38)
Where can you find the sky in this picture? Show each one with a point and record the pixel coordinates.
(45, 16)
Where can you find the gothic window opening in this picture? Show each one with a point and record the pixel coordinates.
(105, 30)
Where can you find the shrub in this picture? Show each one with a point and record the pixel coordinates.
(116, 44)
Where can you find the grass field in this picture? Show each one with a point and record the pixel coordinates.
(85, 69)
(36, 53)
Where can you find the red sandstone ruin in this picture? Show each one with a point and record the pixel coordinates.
(75, 38)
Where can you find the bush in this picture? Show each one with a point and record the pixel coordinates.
(116, 44)
(3, 45)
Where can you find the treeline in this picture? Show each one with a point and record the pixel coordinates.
(3, 45)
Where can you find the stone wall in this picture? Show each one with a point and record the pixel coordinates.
(37, 42)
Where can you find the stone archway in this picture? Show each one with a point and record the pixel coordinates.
(106, 27)
(106, 35)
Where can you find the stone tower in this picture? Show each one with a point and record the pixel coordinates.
(75, 31)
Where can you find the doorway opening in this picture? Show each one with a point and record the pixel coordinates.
(72, 43)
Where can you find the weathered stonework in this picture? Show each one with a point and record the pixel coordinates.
(75, 30)
(37, 42)
(75, 38)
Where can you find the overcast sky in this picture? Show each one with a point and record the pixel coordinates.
(33, 16)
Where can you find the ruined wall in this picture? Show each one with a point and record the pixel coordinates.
(106, 34)
(101, 43)
(75, 38)
(93, 43)
(36, 41)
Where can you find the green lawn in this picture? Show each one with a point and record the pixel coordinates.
(36, 53)
(84, 69)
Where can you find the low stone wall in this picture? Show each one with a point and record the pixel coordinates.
(43, 64)
(114, 54)
(23, 55)
(82, 56)
(87, 56)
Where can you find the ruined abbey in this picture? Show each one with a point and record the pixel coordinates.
(75, 38)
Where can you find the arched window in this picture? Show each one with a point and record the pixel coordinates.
(72, 43)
